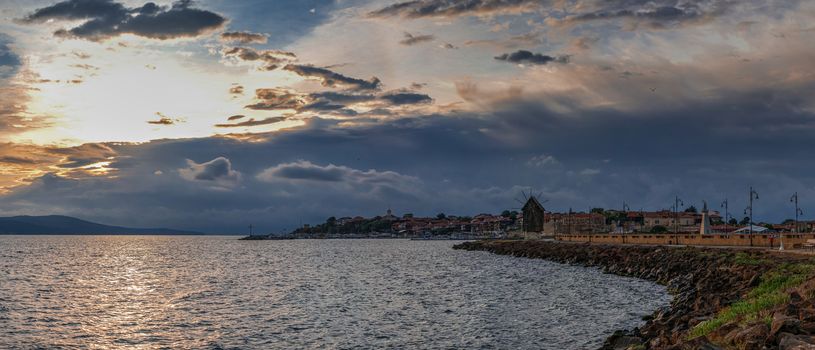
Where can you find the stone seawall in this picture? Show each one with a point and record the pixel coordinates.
(791, 240)
(723, 298)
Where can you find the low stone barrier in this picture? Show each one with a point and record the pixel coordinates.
(791, 241)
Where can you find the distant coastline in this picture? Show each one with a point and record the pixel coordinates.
(66, 225)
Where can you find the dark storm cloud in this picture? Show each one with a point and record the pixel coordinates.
(447, 8)
(411, 39)
(330, 78)
(252, 122)
(753, 138)
(217, 170)
(272, 59)
(304, 171)
(656, 17)
(524, 56)
(342, 103)
(9, 61)
(17, 160)
(405, 98)
(84, 155)
(103, 19)
(244, 37)
(307, 171)
(654, 13)
(277, 99)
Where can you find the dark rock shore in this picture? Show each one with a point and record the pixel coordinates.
(705, 284)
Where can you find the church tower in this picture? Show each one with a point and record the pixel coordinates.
(704, 228)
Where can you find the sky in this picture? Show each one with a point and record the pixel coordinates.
(210, 115)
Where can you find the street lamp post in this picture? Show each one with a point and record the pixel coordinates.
(798, 212)
(677, 203)
(623, 220)
(749, 210)
(642, 220)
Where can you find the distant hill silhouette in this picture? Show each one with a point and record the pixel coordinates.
(66, 225)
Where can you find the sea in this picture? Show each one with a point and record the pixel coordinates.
(218, 292)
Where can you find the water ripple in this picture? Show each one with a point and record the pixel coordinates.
(220, 293)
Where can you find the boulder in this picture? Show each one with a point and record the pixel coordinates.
(783, 324)
(807, 314)
(795, 342)
(807, 328)
(751, 337)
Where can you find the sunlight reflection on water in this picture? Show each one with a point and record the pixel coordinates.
(151, 292)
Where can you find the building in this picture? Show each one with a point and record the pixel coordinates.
(533, 215)
(573, 223)
(389, 216)
(482, 223)
(684, 221)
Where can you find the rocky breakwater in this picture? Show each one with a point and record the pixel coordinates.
(722, 298)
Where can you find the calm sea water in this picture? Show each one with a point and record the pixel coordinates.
(220, 293)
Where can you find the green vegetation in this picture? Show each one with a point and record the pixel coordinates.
(733, 222)
(743, 258)
(771, 292)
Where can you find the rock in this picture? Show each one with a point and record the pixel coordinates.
(808, 327)
(783, 324)
(795, 297)
(626, 342)
(795, 342)
(726, 332)
(807, 315)
(751, 337)
(700, 343)
(622, 340)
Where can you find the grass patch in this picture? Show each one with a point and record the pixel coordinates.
(743, 258)
(770, 293)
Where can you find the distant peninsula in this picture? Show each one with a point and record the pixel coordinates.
(66, 225)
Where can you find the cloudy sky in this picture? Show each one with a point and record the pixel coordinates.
(210, 115)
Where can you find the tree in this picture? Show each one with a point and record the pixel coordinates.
(691, 209)
(505, 213)
(745, 221)
(597, 210)
(441, 216)
(733, 222)
(331, 221)
(659, 229)
(407, 215)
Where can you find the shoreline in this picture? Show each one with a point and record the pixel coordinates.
(711, 289)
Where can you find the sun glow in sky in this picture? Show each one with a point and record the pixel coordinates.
(114, 94)
(203, 113)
